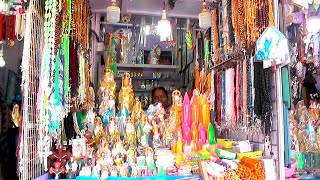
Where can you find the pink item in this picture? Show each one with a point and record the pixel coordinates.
(186, 112)
(202, 134)
(290, 171)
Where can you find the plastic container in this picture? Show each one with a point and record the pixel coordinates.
(255, 154)
(290, 171)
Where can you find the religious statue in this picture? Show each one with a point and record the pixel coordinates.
(131, 156)
(123, 170)
(134, 171)
(150, 161)
(60, 154)
(72, 168)
(89, 152)
(103, 147)
(113, 131)
(130, 136)
(126, 95)
(104, 173)
(176, 110)
(98, 129)
(122, 115)
(108, 84)
(136, 111)
(117, 152)
(107, 107)
(154, 55)
(89, 140)
(146, 130)
(156, 141)
(16, 118)
(114, 171)
(57, 169)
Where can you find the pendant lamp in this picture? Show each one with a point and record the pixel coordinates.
(113, 12)
(2, 62)
(164, 26)
(313, 24)
(204, 17)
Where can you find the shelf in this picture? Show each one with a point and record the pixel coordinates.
(148, 78)
(144, 91)
(150, 66)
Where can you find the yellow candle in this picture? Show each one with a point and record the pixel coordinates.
(205, 114)
(179, 146)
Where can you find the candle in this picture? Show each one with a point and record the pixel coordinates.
(205, 113)
(195, 108)
(202, 134)
(211, 135)
(186, 114)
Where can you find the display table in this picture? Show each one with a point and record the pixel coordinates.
(193, 177)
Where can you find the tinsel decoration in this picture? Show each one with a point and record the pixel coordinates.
(111, 61)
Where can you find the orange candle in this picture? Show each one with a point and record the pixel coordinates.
(197, 78)
(205, 114)
(200, 109)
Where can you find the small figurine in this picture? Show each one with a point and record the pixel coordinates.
(146, 129)
(89, 151)
(104, 172)
(107, 108)
(113, 132)
(114, 172)
(104, 146)
(130, 136)
(123, 170)
(96, 170)
(16, 118)
(72, 168)
(150, 161)
(176, 110)
(89, 140)
(134, 170)
(126, 94)
(122, 115)
(156, 141)
(57, 169)
(131, 156)
(136, 112)
(98, 130)
(78, 148)
(154, 55)
(117, 152)
(108, 83)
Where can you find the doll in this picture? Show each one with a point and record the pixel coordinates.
(123, 170)
(134, 170)
(131, 156)
(117, 152)
(130, 136)
(114, 172)
(108, 84)
(126, 94)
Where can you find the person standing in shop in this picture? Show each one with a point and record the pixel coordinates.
(160, 95)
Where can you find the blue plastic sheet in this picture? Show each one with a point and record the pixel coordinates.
(191, 177)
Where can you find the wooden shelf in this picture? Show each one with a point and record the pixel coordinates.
(148, 78)
(146, 66)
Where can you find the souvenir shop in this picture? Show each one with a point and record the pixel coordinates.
(173, 89)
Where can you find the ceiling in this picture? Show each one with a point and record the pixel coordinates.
(183, 8)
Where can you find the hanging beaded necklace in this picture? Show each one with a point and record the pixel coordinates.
(215, 36)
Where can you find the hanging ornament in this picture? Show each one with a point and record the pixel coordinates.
(204, 17)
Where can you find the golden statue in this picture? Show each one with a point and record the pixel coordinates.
(126, 95)
(136, 112)
(113, 132)
(130, 136)
(16, 116)
(176, 110)
(108, 83)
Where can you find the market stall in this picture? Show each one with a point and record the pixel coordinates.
(88, 112)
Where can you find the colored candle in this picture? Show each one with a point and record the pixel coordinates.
(202, 134)
(186, 115)
(194, 132)
(205, 113)
(179, 146)
(211, 135)
(200, 109)
(195, 108)
(197, 78)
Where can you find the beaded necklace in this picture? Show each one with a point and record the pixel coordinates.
(1, 23)
(223, 100)
(82, 84)
(241, 23)
(229, 98)
(215, 36)
(245, 93)
(219, 97)
(225, 26)
(238, 92)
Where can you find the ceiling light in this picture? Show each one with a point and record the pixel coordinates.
(164, 26)
(113, 12)
(2, 62)
(204, 17)
(313, 24)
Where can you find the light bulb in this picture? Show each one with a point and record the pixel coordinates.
(164, 27)
(2, 62)
(205, 17)
(113, 12)
(313, 24)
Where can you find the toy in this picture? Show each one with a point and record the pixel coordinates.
(126, 94)
(57, 169)
(130, 136)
